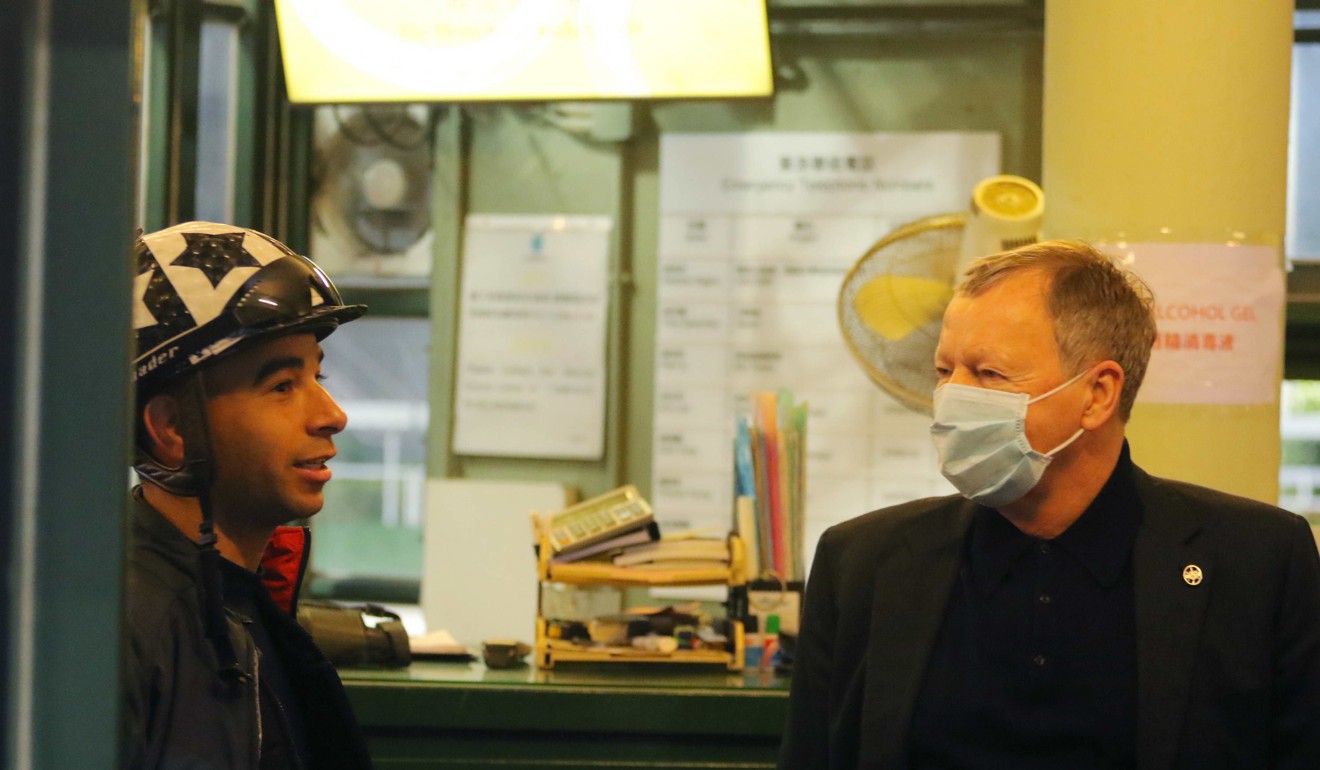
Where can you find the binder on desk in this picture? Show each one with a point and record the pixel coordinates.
(744, 491)
(770, 483)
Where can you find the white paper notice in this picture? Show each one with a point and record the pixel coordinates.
(756, 234)
(531, 345)
(1219, 315)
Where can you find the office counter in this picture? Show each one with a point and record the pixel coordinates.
(452, 715)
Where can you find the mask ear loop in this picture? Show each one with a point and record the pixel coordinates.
(1049, 393)
(1065, 444)
(200, 464)
(1080, 431)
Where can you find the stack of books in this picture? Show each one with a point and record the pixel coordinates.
(597, 528)
(613, 538)
(604, 549)
(681, 560)
(695, 553)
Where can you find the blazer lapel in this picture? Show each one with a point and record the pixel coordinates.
(911, 592)
(1170, 606)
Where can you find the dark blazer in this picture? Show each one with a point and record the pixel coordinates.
(1228, 671)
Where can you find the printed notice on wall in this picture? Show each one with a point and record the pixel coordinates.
(531, 342)
(1219, 320)
(756, 234)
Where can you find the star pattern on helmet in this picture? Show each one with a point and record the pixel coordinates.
(215, 254)
(158, 312)
(142, 315)
(146, 261)
(146, 269)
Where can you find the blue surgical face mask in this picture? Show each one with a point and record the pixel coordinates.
(980, 436)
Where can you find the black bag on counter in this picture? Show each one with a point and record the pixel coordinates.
(343, 634)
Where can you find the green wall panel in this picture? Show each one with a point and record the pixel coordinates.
(890, 76)
(932, 83)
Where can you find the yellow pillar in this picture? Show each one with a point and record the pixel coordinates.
(1167, 121)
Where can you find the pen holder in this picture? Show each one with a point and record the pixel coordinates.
(771, 595)
(504, 653)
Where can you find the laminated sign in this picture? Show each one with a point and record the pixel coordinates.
(1219, 320)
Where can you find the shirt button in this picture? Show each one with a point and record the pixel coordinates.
(1044, 547)
(1039, 660)
(1045, 599)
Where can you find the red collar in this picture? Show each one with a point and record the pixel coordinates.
(283, 565)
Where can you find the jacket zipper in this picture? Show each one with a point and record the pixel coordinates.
(256, 697)
(284, 716)
(279, 708)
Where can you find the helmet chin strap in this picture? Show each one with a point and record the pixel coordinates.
(175, 480)
(199, 470)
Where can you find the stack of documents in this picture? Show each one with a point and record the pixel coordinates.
(676, 555)
(596, 528)
(438, 644)
(770, 484)
(647, 533)
(684, 558)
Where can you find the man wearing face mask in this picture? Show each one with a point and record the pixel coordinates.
(1067, 610)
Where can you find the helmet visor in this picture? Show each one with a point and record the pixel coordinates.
(284, 291)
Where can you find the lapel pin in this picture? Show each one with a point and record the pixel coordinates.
(1192, 575)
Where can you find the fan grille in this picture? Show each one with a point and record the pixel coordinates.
(900, 360)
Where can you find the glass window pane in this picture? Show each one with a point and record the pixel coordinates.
(1303, 239)
(146, 90)
(371, 526)
(1299, 472)
(216, 120)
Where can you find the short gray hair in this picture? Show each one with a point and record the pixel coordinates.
(1100, 310)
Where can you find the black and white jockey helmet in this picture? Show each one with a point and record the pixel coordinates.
(205, 290)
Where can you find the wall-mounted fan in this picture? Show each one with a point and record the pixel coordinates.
(893, 299)
(371, 208)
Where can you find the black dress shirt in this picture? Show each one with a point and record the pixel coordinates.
(1035, 662)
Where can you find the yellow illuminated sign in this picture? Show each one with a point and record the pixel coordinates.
(347, 51)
